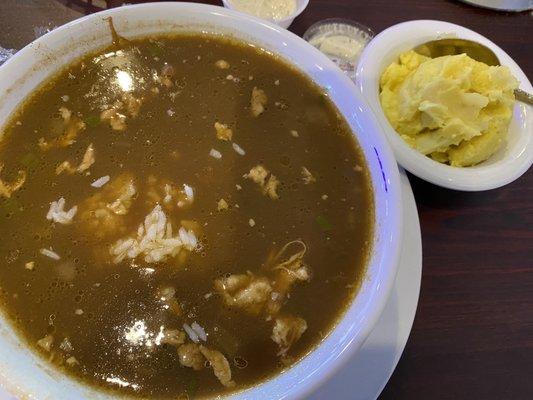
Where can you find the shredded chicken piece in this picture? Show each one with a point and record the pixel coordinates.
(223, 132)
(65, 166)
(222, 64)
(115, 114)
(7, 189)
(132, 103)
(220, 365)
(154, 240)
(258, 174)
(287, 272)
(72, 127)
(258, 101)
(293, 263)
(43, 144)
(65, 113)
(101, 213)
(307, 176)
(72, 361)
(271, 187)
(46, 342)
(116, 120)
(122, 204)
(246, 292)
(87, 161)
(266, 180)
(167, 73)
(58, 214)
(167, 296)
(222, 205)
(173, 337)
(193, 356)
(190, 356)
(287, 330)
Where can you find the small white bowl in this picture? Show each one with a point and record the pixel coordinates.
(301, 5)
(508, 164)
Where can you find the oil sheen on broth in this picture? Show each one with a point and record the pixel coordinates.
(180, 216)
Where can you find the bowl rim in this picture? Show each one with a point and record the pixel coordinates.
(360, 117)
(476, 178)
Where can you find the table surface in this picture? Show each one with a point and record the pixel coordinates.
(473, 334)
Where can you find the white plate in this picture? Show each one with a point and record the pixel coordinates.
(367, 373)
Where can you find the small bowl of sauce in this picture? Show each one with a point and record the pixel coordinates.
(340, 39)
(280, 12)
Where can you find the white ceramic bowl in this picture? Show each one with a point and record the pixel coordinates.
(301, 5)
(503, 167)
(25, 374)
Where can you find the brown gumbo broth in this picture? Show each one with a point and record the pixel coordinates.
(180, 216)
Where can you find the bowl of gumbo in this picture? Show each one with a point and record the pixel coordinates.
(192, 204)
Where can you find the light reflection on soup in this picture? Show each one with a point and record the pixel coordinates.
(180, 216)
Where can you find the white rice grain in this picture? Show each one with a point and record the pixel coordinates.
(189, 192)
(215, 154)
(188, 238)
(238, 149)
(199, 331)
(50, 253)
(100, 181)
(191, 333)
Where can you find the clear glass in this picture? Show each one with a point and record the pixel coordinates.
(342, 40)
